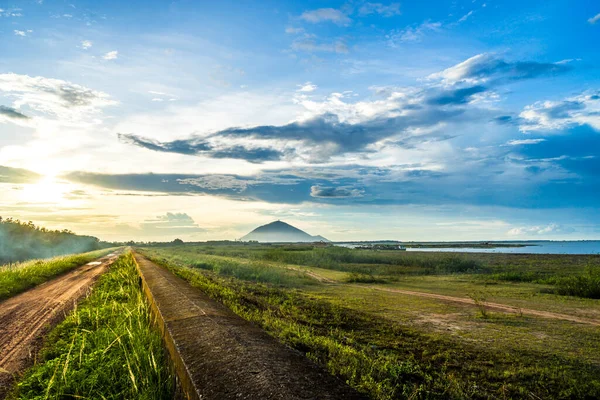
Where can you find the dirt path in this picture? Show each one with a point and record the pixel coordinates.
(219, 355)
(453, 299)
(462, 300)
(488, 305)
(25, 318)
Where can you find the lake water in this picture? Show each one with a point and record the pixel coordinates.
(578, 247)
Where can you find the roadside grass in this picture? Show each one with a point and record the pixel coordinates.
(105, 349)
(386, 359)
(16, 278)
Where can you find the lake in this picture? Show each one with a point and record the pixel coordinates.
(542, 247)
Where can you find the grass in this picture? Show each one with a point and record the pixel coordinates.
(585, 285)
(379, 344)
(105, 349)
(252, 271)
(16, 278)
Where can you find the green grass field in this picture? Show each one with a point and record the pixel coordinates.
(16, 278)
(106, 349)
(390, 345)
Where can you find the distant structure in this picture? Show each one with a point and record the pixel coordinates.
(281, 232)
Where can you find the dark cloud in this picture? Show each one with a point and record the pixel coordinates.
(322, 129)
(505, 120)
(17, 175)
(188, 147)
(334, 192)
(541, 185)
(12, 113)
(198, 146)
(456, 96)
(578, 151)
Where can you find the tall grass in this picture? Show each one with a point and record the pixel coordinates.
(16, 278)
(343, 259)
(250, 270)
(583, 285)
(105, 349)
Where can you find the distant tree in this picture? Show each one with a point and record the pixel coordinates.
(177, 242)
(21, 241)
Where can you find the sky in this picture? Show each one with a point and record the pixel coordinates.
(355, 120)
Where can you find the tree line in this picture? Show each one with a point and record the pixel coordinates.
(20, 241)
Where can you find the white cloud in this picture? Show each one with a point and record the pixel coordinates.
(413, 34)
(217, 182)
(22, 33)
(486, 67)
(53, 97)
(466, 16)
(583, 109)
(540, 230)
(307, 87)
(381, 9)
(293, 31)
(326, 14)
(111, 55)
(594, 19)
(86, 44)
(518, 142)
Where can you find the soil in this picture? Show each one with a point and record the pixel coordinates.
(219, 355)
(26, 318)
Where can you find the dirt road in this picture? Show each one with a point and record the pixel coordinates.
(219, 355)
(25, 318)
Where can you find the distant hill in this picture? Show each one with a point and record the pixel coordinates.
(279, 231)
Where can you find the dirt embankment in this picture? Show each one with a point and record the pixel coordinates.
(27, 317)
(219, 355)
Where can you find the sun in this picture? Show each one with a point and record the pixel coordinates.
(49, 189)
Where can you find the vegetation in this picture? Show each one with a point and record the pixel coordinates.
(252, 271)
(385, 345)
(105, 349)
(564, 272)
(586, 284)
(20, 241)
(16, 278)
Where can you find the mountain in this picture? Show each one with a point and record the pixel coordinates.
(279, 231)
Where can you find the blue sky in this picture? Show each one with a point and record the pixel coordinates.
(445, 120)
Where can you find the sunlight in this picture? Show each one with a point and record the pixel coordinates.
(47, 190)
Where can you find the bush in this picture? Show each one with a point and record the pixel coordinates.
(585, 285)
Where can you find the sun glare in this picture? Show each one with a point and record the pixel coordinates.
(47, 190)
